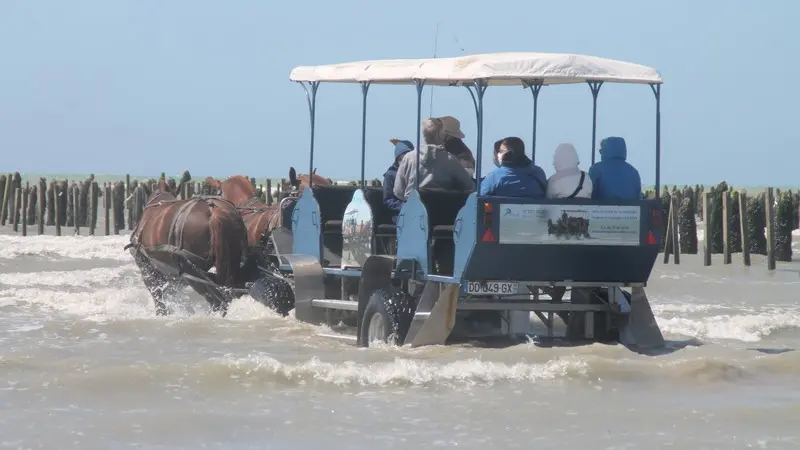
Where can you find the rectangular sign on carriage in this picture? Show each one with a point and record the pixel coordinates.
(492, 288)
(569, 224)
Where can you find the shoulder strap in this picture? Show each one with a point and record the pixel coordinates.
(580, 185)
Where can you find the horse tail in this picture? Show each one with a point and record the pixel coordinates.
(228, 242)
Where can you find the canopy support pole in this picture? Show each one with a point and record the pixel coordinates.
(477, 99)
(311, 95)
(535, 86)
(364, 91)
(657, 92)
(595, 87)
(420, 85)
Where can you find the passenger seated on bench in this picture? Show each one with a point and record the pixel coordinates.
(391, 200)
(613, 178)
(515, 175)
(454, 144)
(569, 181)
(437, 167)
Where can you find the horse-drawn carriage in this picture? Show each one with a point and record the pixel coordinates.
(458, 265)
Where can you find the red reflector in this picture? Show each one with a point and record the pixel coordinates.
(651, 240)
(488, 236)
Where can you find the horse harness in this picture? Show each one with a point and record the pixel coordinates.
(175, 236)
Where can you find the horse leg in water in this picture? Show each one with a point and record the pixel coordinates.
(158, 284)
(216, 297)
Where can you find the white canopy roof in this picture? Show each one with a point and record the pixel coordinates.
(496, 68)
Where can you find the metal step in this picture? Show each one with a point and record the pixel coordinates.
(345, 305)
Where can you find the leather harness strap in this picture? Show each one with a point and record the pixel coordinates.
(179, 222)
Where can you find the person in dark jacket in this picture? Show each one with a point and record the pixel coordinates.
(515, 175)
(613, 178)
(400, 149)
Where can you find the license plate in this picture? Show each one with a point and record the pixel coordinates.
(492, 287)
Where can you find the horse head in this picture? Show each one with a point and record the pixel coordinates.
(238, 190)
(211, 186)
(297, 183)
(161, 192)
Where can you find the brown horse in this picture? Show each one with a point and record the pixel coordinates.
(176, 242)
(259, 218)
(299, 182)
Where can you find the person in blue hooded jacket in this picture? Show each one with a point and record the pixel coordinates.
(391, 200)
(613, 178)
(515, 175)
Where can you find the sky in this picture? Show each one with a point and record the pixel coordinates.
(145, 86)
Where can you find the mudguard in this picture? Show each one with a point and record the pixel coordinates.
(308, 285)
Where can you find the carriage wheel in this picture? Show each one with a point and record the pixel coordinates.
(387, 317)
(273, 293)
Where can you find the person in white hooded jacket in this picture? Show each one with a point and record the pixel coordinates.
(569, 181)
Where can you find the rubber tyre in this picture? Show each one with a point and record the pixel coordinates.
(394, 310)
(273, 293)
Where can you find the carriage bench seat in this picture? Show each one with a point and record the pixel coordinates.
(387, 229)
(442, 232)
(332, 226)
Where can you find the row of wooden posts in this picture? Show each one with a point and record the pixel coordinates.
(63, 204)
(117, 197)
(672, 242)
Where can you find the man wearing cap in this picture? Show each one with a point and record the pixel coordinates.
(400, 149)
(437, 168)
(454, 144)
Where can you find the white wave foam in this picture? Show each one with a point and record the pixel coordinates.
(746, 328)
(684, 308)
(76, 247)
(127, 302)
(72, 278)
(409, 372)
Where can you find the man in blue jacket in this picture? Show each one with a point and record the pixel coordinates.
(391, 200)
(613, 178)
(515, 175)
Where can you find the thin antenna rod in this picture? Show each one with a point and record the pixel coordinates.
(435, 47)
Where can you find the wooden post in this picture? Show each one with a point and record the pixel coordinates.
(92, 207)
(269, 192)
(184, 191)
(56, 208)
(674, 207)
(114, 209)
(707, 232)
(744, 228)
(107, 207)
(15, 212)
(41, 209)
(24, 211)
(6, 197)
(726, 214)
(75, 209)
(769, 209)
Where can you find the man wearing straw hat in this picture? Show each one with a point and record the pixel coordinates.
(454, 144)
